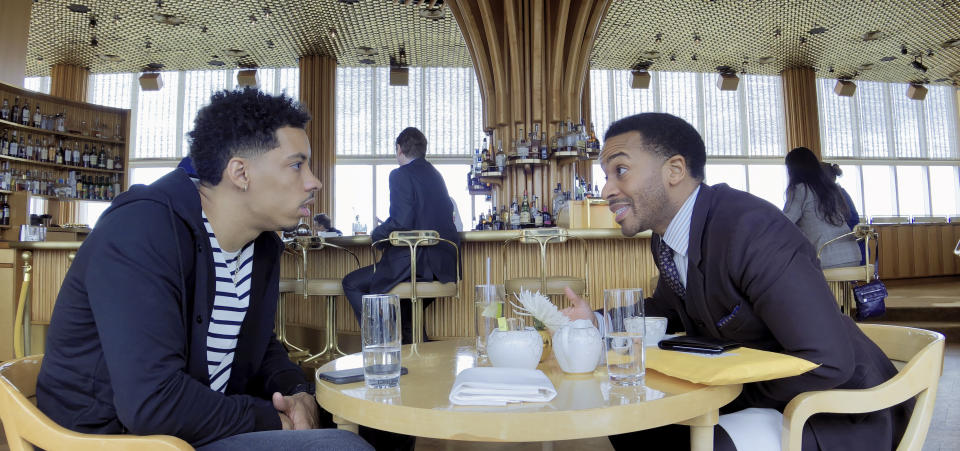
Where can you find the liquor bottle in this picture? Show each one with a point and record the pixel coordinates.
(110, 160)
(5, 110)
(37, 118)
(544, 148)
(476, 163)
(537, 215)
(3, 143)
(514, 215)
(28, 149)
(15, 111)
(25, 113)
(498, 223)
(101, 159)
(51, 152)
(117, 163)
(59, 156)
(524, 211)
(501, 157)
(535, 141)
(76, 153)
(92, 159)
(116, 185)
(523, 148)
(547, 217)
(85, 156)
(14, 146)
(484, 157)
(6, 211)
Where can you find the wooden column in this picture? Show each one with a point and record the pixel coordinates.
(800, 108)
(318, 80)
(15, 26)
(531, 58)
(69, 81)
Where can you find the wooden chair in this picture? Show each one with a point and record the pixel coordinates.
(416, 290)
(26, 426)
(547, 285)
(921, 350)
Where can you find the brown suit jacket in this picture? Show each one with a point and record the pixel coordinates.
(744, 252)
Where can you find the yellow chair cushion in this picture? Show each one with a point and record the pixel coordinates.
(737, 366)
(848, 273)
(555, 284)
(425, 290)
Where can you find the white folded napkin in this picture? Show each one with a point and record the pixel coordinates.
(489, 386)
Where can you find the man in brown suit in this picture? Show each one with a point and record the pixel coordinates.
(732, 266)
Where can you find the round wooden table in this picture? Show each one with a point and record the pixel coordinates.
(585, 406)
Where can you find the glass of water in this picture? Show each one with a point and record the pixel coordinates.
(623, 335)
(380, 336)
(488, 302)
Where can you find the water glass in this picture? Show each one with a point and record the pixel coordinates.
(380, 337)
(488, 303)
(624, 329)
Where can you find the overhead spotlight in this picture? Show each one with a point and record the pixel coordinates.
(917, 91)
(845, 88)
(150, 81)
(658, 38)
(903, 49)
(332, 33)
(248, 77)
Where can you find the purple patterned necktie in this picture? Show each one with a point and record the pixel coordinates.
(668, 269)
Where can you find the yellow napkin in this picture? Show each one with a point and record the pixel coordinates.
(737, 366)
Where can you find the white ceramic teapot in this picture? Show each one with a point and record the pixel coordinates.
(515, 348)
(578, 347)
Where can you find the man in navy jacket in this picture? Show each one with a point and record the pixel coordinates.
(418, 201)
(129, 346)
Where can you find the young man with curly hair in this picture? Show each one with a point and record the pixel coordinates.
(164, 322)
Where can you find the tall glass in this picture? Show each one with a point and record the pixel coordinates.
(380, 337)
(488, 303)
(624, 329)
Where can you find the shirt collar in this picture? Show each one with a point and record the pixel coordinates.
(677, 235)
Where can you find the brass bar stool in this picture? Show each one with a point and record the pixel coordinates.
(847, 275)
(547, 285)
(327, 287)
(415, 290)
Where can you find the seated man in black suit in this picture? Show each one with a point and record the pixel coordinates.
(732, 266)
(418, 201)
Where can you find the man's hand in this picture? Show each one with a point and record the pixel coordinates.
(285, 422)
(580, 309)
(300, 410)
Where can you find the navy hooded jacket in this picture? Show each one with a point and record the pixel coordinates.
(126, 347)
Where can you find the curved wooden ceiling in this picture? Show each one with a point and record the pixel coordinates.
(678, 35)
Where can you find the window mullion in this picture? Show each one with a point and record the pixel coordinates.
(181, 95)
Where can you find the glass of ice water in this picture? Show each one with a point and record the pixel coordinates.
(623, 335)
(380, 335)
(488, 302)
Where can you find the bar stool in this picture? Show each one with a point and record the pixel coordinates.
(415, 290)
(552, 285)
(841, 279)
(329, 288)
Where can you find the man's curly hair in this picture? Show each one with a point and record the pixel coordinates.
(241, 122)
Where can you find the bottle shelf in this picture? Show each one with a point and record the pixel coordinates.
(61, 166)
(518, 161)
(4, 227)
(3, 191)
(44, 131)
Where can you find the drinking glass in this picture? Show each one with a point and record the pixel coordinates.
(488, 303)
(380, 337)
(623, 335)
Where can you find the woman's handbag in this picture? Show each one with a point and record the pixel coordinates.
(870, 295)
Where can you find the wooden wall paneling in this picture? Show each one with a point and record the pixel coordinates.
(556, 34)
(920, 248)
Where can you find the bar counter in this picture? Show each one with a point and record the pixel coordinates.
(604, 256)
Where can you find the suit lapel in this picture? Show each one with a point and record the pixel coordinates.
(696, 299)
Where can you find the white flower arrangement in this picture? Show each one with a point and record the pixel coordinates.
(539, 307)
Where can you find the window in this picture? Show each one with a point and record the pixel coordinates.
(880, 191)
(734, 175)
(148, 175)
(37, 84)
(768, 182)
(444, 103)
(945, 191)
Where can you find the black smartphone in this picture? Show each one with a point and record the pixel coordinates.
(704, 345)
(348, 376)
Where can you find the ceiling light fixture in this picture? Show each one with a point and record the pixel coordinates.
(150, 81)
(888, 58)
(953, 43)
(332, 33)
(640, 75)
(431, 13)
(916, 91)
(216, 63)
(248, 77)
(658, 38)
(766, 59)
(903, 49)
(875, 35)
(728, 80)
(845, 87)
(167, 19)
(78, 8)
(817, 30)
(918, 64)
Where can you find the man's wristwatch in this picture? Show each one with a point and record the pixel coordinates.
(307, 388)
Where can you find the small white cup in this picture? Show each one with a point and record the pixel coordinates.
(656, 327)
